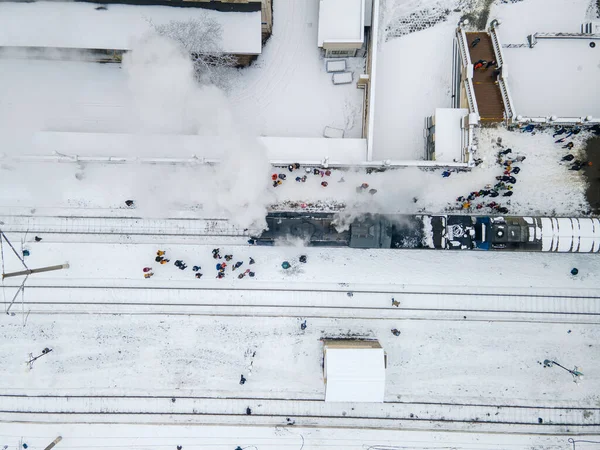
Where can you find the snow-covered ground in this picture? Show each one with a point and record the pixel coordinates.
(287, 91)
(545, 186)
(457, 361)
(431, 361)
(165, 437)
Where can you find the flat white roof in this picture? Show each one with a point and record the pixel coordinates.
(81, 25)
(557, 77)
(449, 134)
(341, 21)
(121, 145)
(355, 375)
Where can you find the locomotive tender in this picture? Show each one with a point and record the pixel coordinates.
(449, 232)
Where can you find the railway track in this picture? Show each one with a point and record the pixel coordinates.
(111, 226)
(280, 411)
(291, 302)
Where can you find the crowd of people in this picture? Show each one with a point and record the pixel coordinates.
(279, 178)
(569, 158)
(221, 266)
(504, 186)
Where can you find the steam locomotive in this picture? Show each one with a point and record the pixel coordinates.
(448, 232)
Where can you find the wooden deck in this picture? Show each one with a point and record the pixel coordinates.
(487, 91)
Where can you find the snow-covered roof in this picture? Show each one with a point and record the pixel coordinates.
(557, 77)
(122, 145)
(355, 374)
(341, 21)
(82, 25)
(449, 134)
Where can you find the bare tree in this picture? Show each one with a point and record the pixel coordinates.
(201, 39)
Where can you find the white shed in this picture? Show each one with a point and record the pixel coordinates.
(354, 371)
(341, 27)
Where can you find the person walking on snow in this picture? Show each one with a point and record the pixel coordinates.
(236, 265)
(147, 269)
(148, 275)
(570, 145)
(285, 265)
(580, 164)
(568, 157)
(160, 253)
(395, 332)
(198, 275)
(528, 129)
(164, 261)
(490, 64)
(251, 260)
(228, 257)
(446, 173)
(196, 268)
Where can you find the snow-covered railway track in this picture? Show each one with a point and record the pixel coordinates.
(290, 302)
(110, 226)
(275, 411)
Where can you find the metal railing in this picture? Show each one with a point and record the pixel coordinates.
(464, 51)
(470, 90)
(509, 110)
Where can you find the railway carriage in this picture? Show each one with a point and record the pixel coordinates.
(443, 232)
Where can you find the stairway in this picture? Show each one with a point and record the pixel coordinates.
(487, 92)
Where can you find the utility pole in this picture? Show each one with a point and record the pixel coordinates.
(25, 272)
(549, 363)
(30, 271)
(53, 443)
